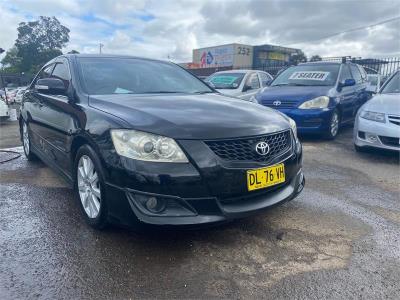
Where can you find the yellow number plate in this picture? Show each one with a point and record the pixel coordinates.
(265, 177)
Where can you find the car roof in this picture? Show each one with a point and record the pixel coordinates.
(239, 71)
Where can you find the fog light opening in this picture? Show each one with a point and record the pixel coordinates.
(372, 138)
(155, 205)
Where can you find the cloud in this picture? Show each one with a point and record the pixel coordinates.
(162, 29)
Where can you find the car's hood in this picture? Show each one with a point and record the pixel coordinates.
(384, 103)
(293, 93)
(183, 116)
(230, 92)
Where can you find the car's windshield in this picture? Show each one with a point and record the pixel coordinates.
(226, 80)
(308, 75)
(104, 76)
(393, 86)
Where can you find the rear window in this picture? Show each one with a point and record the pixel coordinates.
(226, 80)
(308, 75)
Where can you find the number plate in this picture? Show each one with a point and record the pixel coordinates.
(265, 177)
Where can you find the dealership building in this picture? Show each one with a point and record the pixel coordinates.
(238, 56)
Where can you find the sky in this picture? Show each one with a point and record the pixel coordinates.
(170, 29)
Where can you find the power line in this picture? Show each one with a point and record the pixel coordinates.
(349, 30)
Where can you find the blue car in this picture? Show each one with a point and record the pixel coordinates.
(318, 96)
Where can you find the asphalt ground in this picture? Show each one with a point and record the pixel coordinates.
(339, 239)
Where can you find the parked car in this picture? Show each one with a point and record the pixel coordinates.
(242, 84)
(319, 96)
(378, 121)
(4, 112)
(146, 140)
(20, 92)
(374, 83)
(11, 92)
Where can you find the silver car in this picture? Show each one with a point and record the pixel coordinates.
(378, 120)
(242, 84)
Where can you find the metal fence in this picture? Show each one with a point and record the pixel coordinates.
(382, 66)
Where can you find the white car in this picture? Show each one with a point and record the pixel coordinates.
(20, 93)
(378, 120)
(4, 112)
(242, 84)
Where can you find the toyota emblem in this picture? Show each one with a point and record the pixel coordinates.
(277, 103)
(262, 148)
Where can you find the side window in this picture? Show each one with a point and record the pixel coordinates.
(253, 82)
(264, 79)
(345, 73)
(363, 73)
(61, 72)
(356, 73)
(44, 73)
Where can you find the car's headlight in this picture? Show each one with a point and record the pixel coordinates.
(319, 102)
(294, 127)
(146, 146)
(373, 116)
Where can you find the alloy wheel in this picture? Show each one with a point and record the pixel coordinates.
(25, 138)
(89, 187)
(334, 124)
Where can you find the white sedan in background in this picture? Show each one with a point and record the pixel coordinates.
(378, 120)
(242, 84)
(4, 112)
(20, 93)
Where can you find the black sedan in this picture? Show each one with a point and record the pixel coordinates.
(145, 141)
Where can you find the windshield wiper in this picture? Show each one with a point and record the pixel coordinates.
(290, 84)
(161, 92)
(203, 92)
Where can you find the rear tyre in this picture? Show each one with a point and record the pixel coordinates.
(334, 124)
(89, 187)
(26, 142)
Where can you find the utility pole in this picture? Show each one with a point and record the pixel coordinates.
(100, 46)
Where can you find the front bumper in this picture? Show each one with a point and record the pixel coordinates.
(310, 120)
(206, 190)
(377, 135)
(209, 209)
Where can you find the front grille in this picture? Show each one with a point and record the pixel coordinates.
(390, 141)
(279, 103)
(394, 119)
(244, 149)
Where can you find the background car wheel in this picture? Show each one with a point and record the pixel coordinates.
(90, 188)
(334, 125)
(26, 142)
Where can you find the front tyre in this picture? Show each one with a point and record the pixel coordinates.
(334, 124)
(90, 187)
(26, 142)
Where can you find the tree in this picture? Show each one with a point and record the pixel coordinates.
(73, 52)
(298, 57)
(37, 42)
(11, 62)
(315, 58)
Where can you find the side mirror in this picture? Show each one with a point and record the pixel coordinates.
(246, 88)
(268, 82)
(51, 86)
(348, 82)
